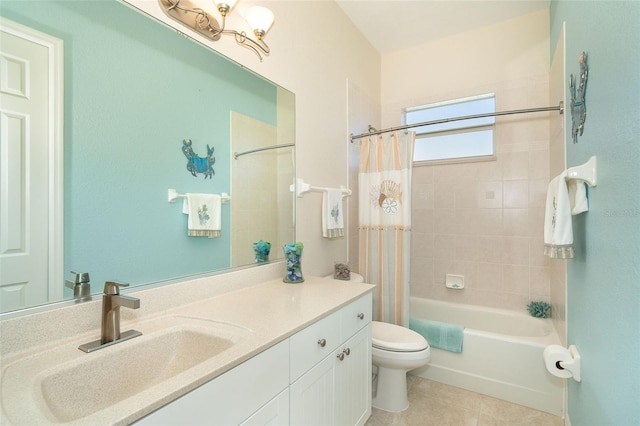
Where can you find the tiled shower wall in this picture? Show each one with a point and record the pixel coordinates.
(484, 220)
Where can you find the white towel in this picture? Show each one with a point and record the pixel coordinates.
(332, 217)
(558, 232)
(564, 199)
(577, 196)
(204, 215)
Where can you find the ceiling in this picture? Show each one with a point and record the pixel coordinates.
(392, 25)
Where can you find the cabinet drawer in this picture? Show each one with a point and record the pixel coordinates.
(355, 316)
(310, 345)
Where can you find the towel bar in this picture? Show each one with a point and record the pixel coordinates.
(300, 187)
(173, 196)
(586, 172)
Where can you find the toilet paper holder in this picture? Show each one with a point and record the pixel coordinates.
(572, 366)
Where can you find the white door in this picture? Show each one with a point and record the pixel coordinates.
(30, 179)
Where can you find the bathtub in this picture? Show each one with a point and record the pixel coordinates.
(501, 354)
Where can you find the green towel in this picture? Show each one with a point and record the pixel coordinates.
(439, 334)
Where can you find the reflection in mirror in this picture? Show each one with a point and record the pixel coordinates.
(132, 92)
(260, 182)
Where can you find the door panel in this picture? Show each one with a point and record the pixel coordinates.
(26, 147)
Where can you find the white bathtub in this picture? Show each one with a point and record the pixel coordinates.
(501, 354)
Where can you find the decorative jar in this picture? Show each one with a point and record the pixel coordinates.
(292, 255)
(261, 251)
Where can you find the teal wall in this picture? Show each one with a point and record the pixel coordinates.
(134, 89)
(603, 281)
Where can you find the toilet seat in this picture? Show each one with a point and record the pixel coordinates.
(391, 337)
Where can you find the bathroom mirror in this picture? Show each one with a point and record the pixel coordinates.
(134, 90)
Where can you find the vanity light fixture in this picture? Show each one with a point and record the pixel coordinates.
(188, 13)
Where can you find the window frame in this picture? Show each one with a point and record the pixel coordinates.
(455, 127)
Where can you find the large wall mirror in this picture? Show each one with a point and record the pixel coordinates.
(131, 91)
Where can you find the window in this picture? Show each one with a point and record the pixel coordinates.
(453, 140)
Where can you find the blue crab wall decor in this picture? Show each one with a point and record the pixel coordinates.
(197, 164)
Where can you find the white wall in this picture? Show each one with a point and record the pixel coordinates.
(315, 50)
(558, 163)
(510, 52)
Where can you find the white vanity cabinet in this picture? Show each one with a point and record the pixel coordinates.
(254, 388)
(320, 375)
(336, 390)
(274, 412)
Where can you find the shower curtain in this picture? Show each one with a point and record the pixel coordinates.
(384, 183)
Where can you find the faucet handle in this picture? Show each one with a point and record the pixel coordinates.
(112, 287)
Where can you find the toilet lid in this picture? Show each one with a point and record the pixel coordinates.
(396, 338)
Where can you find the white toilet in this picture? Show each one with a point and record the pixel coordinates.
(395, 351)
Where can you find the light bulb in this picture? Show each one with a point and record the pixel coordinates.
(260, 19)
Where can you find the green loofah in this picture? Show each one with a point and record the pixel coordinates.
(539, 309)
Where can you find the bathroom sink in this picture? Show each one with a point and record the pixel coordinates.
(68, 386)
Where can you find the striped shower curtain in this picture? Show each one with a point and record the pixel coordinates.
(384, 183)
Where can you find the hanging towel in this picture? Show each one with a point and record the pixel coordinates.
(332, 217)
(439, 334)
(577, 196)
(558, 232)
(204, 215)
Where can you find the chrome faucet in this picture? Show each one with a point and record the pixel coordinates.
(111, 302)
(81, 285)
(110, 334)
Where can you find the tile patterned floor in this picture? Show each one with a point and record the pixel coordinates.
(433, 403)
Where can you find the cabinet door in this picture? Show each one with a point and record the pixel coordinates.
(313, 395)
(353, 380)
(275, 412)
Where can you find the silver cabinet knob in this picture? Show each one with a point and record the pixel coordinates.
(341, 356)
(322, 343)
(347, 351)
(361, 315)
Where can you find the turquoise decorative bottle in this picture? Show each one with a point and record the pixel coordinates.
(292, 255)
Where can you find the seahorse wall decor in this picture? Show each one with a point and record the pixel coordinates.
(197, 164)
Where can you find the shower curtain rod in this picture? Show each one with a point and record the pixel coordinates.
(239, 154)
(373, 131)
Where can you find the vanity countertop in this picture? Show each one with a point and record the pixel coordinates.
(271, 312)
